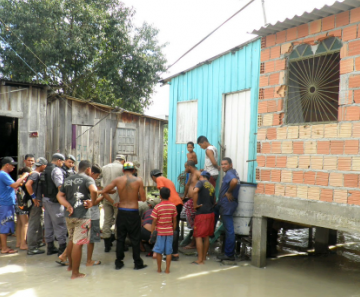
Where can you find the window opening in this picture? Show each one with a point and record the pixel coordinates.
(126, 140)
(314, 77)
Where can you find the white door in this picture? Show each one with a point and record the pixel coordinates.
(237, 131)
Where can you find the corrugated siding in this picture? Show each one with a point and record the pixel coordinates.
(207, 84)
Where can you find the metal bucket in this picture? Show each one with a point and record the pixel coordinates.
(244, 212)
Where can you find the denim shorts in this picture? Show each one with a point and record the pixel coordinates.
(163, 245)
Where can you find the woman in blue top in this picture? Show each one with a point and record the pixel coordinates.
(7, 202)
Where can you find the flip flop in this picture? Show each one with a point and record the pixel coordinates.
(97, 263)
(189, 247)
(62, 263)
(11, 251)
(194, 263)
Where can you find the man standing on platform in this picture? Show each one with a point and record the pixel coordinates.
(109, 173)
(228, 202)
(211, 155)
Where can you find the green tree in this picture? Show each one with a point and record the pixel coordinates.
(90, 48)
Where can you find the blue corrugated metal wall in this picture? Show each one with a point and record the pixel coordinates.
(207, 84)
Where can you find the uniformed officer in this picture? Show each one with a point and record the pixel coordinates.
(55, 225)
(69, 166)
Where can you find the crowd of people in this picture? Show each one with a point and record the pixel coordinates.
(68, 201)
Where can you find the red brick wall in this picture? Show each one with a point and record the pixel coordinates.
(321, 161)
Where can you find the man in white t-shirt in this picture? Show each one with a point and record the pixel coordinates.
(211, 156)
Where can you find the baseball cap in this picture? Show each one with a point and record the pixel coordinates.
(120, 157)
(136, 164)
(155, 172)
(152, 203)
(71, 157)
(41, 161)
(8, 160)
(128, 165)
(58, 156)
(206, 174)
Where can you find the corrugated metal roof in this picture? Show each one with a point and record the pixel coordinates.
(7, 82)
(307, 17)
(112, 108)
(234, 49)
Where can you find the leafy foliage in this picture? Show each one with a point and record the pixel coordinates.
(90, 47)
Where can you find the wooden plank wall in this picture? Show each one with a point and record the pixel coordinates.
(28, 104)
(97, 142)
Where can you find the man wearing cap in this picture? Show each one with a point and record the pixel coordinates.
(55, 225)
(204, 223)
(68, 167)
(175, 199)
(109, 173)
(128, 221)
(35, 230)
(7, 202)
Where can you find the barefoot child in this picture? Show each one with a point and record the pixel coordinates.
(164, 215)
(191, 155)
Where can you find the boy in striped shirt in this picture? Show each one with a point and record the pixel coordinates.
(164, 215)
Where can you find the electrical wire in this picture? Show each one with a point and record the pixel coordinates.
(29, 49)
(19, 56)
(212, 32)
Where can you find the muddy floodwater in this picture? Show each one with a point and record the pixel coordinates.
(293, 274)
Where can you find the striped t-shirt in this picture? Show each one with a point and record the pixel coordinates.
(164, 212)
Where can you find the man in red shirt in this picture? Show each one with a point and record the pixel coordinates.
(175, 199)
(164, 215)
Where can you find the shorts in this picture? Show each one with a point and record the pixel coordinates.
(204, 225)
(7, 224)
(79, 230)
(95, 231)
(190, 213)
(163, 244)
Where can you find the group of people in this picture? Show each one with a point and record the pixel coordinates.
(70, 200)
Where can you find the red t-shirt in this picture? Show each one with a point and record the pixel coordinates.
(164, 212)
(167, 183)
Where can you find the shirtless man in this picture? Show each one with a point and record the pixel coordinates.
(189, 192)
(128, 221)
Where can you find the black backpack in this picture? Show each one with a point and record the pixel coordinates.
(23, 198)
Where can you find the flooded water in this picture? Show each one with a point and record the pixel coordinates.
(337, 274)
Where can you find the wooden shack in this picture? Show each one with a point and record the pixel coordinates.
(32, 121)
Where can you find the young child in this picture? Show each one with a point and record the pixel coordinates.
(191, 155)
(164, 215)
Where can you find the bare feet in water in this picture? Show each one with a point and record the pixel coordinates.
(93, 262)
(79, 275)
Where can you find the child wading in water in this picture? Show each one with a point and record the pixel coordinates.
(164, 215)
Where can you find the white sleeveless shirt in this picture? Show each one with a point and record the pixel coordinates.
(208, 166)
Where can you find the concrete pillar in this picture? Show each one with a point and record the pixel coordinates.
(259, 234)
(332, 237)
(322, 240)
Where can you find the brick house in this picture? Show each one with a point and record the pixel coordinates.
(309, 123)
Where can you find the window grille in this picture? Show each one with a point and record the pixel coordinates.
(314, 76)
